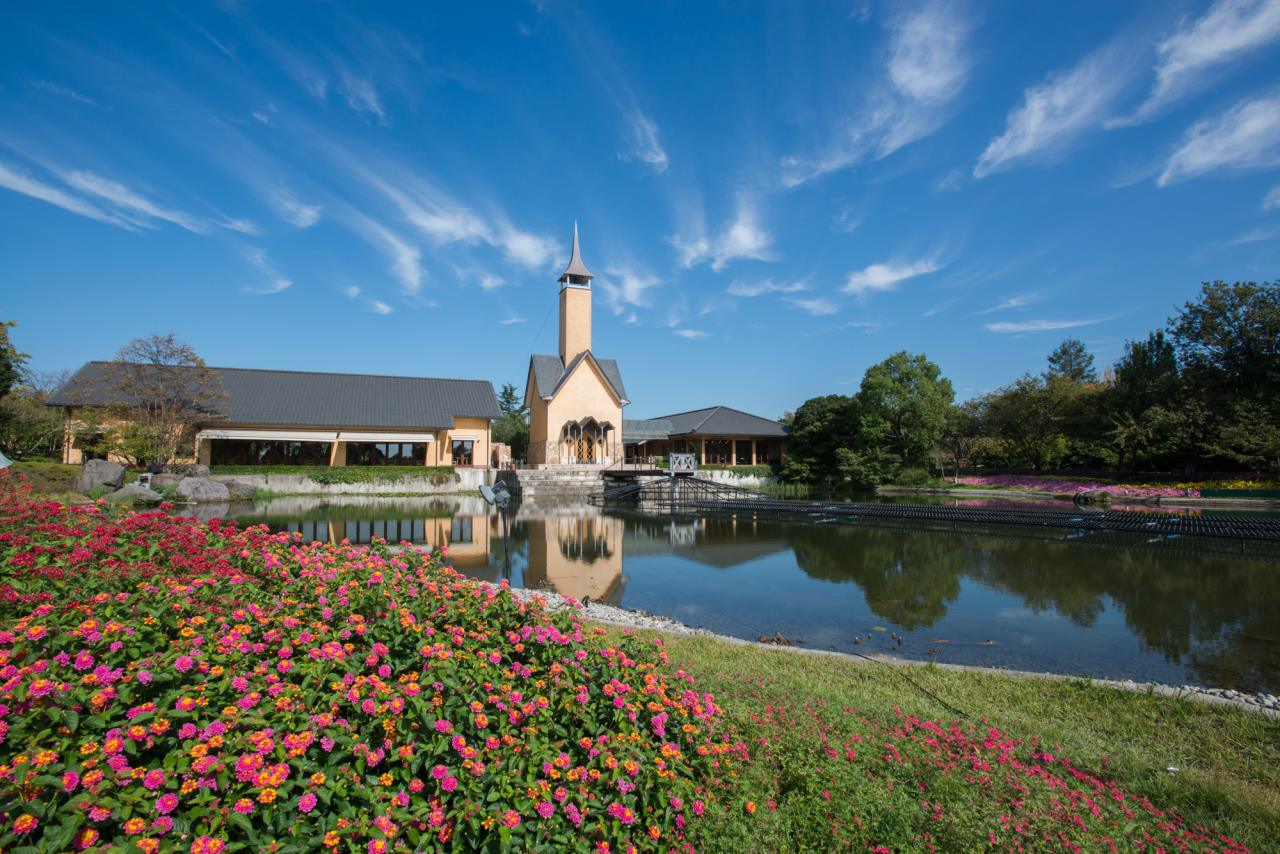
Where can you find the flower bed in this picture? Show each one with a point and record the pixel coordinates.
(1120, 490)
(178, 686)
(1071, 487)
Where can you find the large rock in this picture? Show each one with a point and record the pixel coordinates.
(201, 490)
(160, 481)
(240, 491)
(187, 469)
(135, 493)
(99, 473)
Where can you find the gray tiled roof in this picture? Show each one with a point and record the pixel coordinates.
(643, 430)
(723, 421)
(299, 398)
(549, 371)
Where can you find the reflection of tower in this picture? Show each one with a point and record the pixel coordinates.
(577, 556)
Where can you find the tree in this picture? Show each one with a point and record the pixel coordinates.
(513, 427)
(1146, 375)
(160, 390)
(1229, 339)
(11, 361)
(1029, 414)
(902, 406)
(819, 428)
(963, 430)
(1070, 360)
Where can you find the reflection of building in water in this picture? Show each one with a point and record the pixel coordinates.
(578, 556)
(722, 543)
(466, 535)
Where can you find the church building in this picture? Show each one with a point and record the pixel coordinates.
(575, 398)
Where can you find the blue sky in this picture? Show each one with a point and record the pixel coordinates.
(773, 196)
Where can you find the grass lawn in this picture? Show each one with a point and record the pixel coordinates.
(794, 708)
(49, 478)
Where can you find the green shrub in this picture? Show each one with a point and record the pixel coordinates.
(438, 475)
(914, 477)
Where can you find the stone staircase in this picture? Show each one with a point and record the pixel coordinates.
(553, 482)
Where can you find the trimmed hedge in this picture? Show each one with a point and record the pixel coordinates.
(350, 474)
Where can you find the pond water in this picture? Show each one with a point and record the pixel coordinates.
(1096, 605)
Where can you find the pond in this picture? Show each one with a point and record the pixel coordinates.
(1095, 605)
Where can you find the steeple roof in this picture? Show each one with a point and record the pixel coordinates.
(576, 267)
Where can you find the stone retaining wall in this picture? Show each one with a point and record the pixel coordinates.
(469, 480)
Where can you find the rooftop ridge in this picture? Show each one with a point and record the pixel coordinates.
(312, 373)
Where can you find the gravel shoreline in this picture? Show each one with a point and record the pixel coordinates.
(1263, 704)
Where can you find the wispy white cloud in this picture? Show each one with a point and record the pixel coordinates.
(767, 286)
(67, 92)
(362, 96)
(443, 221)
(293, 211)
(1257, 235)
(133, 205)
(20, 182)
(690, 333)
(1271, 201)
(1017, 301)
(928, 67)
(1058, 112)
(1226, 33)
(406, 259)
(512, 320)
(867, 326)
(644, 142)
(489, 281)
(352, 291)
(240, 224)
(1247, 136)
(817, 306)
(276, 281)
(743, 238)
(625, 287)
(377, 306)
(888, 275)
(1040, 325)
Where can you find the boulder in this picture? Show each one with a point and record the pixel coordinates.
(135, 493)
(187, 469)
(201, 490)
(160, 481)
(97, 473)
(240, 491)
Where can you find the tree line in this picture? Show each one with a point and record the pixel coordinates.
(1200, 394)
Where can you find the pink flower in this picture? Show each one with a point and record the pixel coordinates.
(183, 664)
(449, 784)
(70, 781)
(439, 772)
(307, 802)
(546, 809)
(166, 803)
(154, 779)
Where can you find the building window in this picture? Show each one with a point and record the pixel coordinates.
(769, 453)
(264, 452)
(463, 450)
(744, 452)
(386, 453)
(719, 452)
(460, 531)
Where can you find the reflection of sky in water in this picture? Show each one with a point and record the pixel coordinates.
(1019, 599)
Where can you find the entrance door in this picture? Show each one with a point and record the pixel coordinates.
(586, 450)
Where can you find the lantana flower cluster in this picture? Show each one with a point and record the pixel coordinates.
(171, 685)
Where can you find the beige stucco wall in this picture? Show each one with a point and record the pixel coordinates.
(577, 556)
(584, 393)
(465, 428)
(575, 322)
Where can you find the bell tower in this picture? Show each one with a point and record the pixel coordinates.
(575, 305)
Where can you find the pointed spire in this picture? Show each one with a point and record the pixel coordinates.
(576, 273)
